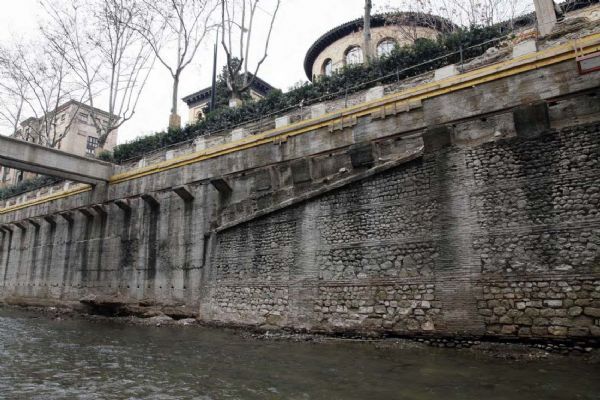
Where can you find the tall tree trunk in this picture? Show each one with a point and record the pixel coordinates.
(367, 31)
(235, 100)
(174, 118)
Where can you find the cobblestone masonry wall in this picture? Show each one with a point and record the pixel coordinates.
(527, 237)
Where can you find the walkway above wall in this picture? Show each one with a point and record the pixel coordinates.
(19, 154)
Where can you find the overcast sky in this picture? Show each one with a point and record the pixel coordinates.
(299, 24)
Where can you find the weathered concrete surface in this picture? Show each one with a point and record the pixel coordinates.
(19, 154)
(457, 215)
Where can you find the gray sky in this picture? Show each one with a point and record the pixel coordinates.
(298, 25)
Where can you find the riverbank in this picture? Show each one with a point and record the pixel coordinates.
(521, 350)
(69, 357)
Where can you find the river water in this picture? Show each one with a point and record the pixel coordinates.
(41, 358)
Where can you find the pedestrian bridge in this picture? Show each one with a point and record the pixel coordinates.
(26, 156)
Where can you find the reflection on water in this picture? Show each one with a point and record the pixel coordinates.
(76, 359)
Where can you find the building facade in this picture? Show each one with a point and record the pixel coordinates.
(343, 45)
(198, 102)
(73, 122)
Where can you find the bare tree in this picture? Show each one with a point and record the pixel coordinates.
(13, 92)
(174, 30)
(238, 22)
(110, 59)
(462, 12)
(41, 83)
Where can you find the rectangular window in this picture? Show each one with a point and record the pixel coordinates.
(83, 117)
(92, 144)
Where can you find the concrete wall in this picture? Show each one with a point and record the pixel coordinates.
(472, 212)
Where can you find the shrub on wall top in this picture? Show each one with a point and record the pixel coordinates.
(403, 62)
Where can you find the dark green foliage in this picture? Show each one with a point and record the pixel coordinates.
(26, 186)
(423, 56)
(106, 155)
(222, 92)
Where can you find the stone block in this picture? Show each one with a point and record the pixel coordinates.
(531, 120)
(592, 312)
(575, 311)
(553, 303)
(509, 329)
(169, 155)
(300, 171)
(361, 155)
(445, 72)
(375, 93)
(318, 110)
(262, 180)
(239, 134)
(437, 138)
(525, 47)
(557, 330)
(200, 144)
(282, 121)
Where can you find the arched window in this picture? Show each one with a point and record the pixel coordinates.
(385, 47)
(354, 55)
(327, 69)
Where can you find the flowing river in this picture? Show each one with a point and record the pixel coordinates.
(41, 358)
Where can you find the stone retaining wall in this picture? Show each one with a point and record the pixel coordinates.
(390, 225)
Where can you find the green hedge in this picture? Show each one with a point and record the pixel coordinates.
(27, 186)
(404, 62)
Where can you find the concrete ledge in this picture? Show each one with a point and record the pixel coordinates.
(151, 201)
(375, 93)
(221, 185)
(526, 47)
(238, 134)
(199, 144)
(184, 192)
(123, 205)
(282, 121)
(445, 72)
(318, 110)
